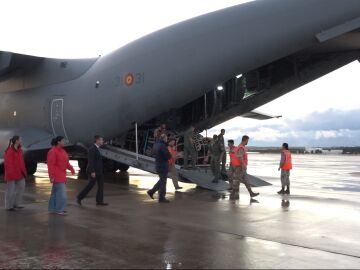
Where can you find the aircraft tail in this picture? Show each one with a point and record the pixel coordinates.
(19, 71)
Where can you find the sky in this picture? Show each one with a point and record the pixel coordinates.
(322, 113)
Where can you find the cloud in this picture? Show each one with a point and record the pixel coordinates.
(266, 134)
(328, 120)
(323, 129)
(326, 134)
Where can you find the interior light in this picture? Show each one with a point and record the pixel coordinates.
(220, 88)
(239, 76)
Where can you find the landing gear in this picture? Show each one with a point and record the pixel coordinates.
(31, 167)
(110, 166)
(123, 167)
(113, 166)
(82, 163)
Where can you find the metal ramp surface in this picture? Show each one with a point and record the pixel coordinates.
(129, 158)
(201, 177)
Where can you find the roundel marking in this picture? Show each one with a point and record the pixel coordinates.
(129, 79)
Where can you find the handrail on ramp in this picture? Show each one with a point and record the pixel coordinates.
(201, 177)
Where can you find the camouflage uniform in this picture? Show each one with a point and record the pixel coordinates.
(285, 174)
(216, 148)
(240, 176)
(189, 148)
(223, 161)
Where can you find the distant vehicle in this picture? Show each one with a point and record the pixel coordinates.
(310, 150)
(200, 72)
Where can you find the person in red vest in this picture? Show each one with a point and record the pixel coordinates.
(285, 167)
(172, 170)
(58, 163)
(15, 174)
(241, 171)
(234, 162)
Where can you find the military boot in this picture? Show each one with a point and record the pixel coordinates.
(252, 194)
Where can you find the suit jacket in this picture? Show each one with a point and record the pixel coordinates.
(95, 162)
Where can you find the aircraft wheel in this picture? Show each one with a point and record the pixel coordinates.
(82, 163)
(110, 166)
(123, 167)
(31, 167)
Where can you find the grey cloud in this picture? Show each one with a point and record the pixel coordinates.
(328, 120)
(329, 128)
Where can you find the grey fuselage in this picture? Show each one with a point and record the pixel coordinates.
(170, 68)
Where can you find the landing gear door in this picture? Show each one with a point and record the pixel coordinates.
(57, 120)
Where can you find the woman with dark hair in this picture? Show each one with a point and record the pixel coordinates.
(15, 174)
(58, 163)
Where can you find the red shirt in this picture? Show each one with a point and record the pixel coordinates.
(14, 164)
(58, 162)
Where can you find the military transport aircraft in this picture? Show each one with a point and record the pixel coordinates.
(200, 72)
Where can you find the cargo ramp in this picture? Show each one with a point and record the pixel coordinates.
(202, 176)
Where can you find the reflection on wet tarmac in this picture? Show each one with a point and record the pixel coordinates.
(285, 203)
(198, 229)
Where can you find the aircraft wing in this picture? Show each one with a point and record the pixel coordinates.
(33, 139)
(259, 116)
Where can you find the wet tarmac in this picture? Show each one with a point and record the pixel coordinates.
(312, 228)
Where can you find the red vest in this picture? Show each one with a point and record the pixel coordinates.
(234, 160)
(287, 166)
(245, 155)
(173, 154)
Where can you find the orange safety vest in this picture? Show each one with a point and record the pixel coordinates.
(287, 166)
(234, 160)
(173, 154)
(245, 154)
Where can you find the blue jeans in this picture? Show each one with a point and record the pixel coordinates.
(57, 200)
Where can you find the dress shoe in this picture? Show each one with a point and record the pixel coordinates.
(281, 192)
(78, 201)
(164, 201)
(19, 207)
(11, 210)
(253, 194)
(177, 188)
(102, 204)
(151, 195)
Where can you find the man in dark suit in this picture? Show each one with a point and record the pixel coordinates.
(162, 157)
(95, 173)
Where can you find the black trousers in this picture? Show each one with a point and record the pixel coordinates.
(161, 185)
(100, 192)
